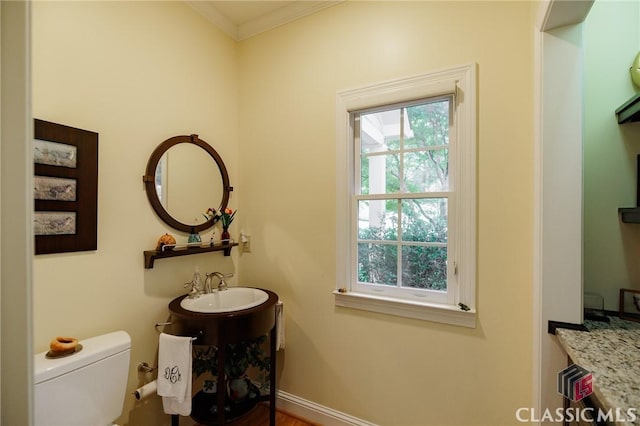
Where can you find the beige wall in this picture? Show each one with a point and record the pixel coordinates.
(138, 73)
(385, 369)
(611, 248)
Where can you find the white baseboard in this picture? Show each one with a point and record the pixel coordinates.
(314, 412)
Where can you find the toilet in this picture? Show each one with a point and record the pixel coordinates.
(85, 388)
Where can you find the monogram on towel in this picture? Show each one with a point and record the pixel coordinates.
(172, 374)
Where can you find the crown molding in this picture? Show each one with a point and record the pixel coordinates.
(208, 10)
(269, 21)
(284, 15)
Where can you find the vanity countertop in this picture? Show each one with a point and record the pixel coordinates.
(611, 352)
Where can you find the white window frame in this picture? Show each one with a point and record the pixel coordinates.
(460, 307)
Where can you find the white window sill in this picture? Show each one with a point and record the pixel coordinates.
(447, 314)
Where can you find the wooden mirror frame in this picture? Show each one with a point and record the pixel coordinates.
(150, 185)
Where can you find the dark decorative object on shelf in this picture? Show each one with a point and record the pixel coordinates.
(225, 236)
(227, 220)
(632, 214)
(629, 304)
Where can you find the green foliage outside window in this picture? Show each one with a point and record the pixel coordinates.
(425, 168)
(422, 266)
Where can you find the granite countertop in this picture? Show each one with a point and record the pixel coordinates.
(611, 352)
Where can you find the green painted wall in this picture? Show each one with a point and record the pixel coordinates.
(611, 248)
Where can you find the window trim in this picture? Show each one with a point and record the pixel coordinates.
(460, 80)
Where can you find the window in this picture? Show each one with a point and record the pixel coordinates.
(406, 197)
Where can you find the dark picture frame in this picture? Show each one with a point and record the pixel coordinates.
(629, 304)
(65, 160)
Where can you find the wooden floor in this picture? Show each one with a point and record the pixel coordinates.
(259, 416)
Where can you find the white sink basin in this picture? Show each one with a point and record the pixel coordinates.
(229, 300)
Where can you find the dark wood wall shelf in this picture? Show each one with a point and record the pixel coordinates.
(629, 214)
(630, 110)
(151, 255)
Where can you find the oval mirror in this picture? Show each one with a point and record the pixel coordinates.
(185, 176)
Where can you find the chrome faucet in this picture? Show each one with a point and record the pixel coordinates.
(222, 285)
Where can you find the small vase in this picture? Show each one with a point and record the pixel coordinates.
(238, 388)
(194, 237)
(226, 237)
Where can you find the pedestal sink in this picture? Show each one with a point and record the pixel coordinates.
(229, 300)
(231, 315)
(223, 318)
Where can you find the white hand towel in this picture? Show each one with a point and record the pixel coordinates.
(174, 373)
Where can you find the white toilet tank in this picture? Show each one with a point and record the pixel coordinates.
(86, 388)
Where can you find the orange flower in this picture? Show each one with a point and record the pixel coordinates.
(227, 217)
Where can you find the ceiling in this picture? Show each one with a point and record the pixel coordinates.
(242, 19)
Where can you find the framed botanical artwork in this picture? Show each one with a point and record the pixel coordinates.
(65, 188)
(629, 304)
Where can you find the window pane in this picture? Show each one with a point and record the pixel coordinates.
(379, 174)
(377, 263)
(380, 131)
(425, 220)
(424, 267)
(378, 219)
(429, 124)
(426, 171)
(404, 151)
